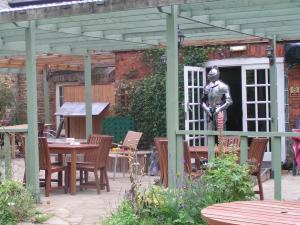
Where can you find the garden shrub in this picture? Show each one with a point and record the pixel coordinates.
(16, 204)
(224, 181)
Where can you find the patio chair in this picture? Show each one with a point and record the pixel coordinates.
(255, 158)
(49, 167)
(162, 148)
(96, 161)
(130, 142)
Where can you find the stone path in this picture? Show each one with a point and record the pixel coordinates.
(88, 208)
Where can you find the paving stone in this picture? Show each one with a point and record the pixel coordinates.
(56, 221)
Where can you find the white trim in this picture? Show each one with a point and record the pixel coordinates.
(240, 61)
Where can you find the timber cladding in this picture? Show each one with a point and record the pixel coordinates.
(101, 93)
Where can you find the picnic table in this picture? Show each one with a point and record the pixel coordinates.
(253, 213)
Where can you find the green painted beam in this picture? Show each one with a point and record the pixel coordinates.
(211, 147)
(7, 155)
(239, 133)
(244, 149)
(32, 150)
(175, 156)
(11, 70)
(275, 141)
(46, 96)
(88, 95)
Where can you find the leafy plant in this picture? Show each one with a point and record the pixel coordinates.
(16, 204)
(228, 180)
(6, 99)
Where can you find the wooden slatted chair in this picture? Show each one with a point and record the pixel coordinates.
(255, 158)
(49, 167)
(94, 161)
(162, 148)
(130, 142)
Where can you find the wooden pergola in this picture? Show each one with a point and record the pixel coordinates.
(107, 25)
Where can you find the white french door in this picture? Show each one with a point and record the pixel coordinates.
(194, 82)
(256, 100)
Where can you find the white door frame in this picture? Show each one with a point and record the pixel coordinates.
(280, 87)
(192, 101)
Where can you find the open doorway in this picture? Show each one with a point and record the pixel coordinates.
(232, 77)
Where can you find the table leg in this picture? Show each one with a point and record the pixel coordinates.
(73, 173)
(115, 166)
(59, 176)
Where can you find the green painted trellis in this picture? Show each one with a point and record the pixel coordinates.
(84, 27)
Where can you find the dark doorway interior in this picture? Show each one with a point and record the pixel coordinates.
(232, 77)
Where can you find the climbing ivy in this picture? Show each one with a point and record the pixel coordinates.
(147, 101)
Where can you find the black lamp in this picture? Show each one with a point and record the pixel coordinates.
(181, 37)
(270, 54)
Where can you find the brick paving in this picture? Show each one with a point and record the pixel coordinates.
(88, 208)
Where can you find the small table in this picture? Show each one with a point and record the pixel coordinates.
(73, 150)
(253, 213)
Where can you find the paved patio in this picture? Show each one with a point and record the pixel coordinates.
(88, 208)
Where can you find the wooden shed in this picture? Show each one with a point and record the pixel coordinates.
(74, 115)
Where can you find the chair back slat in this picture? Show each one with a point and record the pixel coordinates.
(41, 126)
(232, 140)
(162, 148)
(44, 154)
(132, 139)
(99, 157)
(256, 152)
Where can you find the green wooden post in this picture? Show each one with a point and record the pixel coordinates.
(275, 143)
(88, 94)
(180, 165)
(7, 155)
(46, 97)
(32, 154)
(175, 156)
(244, 149)
(211, 147)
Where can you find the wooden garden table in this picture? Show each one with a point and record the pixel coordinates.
(73, 150)
(253, 213)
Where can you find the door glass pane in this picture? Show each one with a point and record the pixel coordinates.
(251, 110)
(250, 77)
(190, 95)
(261, 94)
(189, 78)
(190, 114)
(262, 125)
(262, 110)
(196, 125)
(195, 78)
(196, 97)
(261, 76)
(250, 94)
(191, 126)
(196, 107)
(201, 78)
(251, 126)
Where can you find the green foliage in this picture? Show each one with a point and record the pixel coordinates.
(224, 181)
(6, 99)
(16, 204)
(228, 180)
(124, 216)
(147, 100)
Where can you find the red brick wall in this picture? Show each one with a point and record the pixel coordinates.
(130, 65)
(294, 101)
(253, 50)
